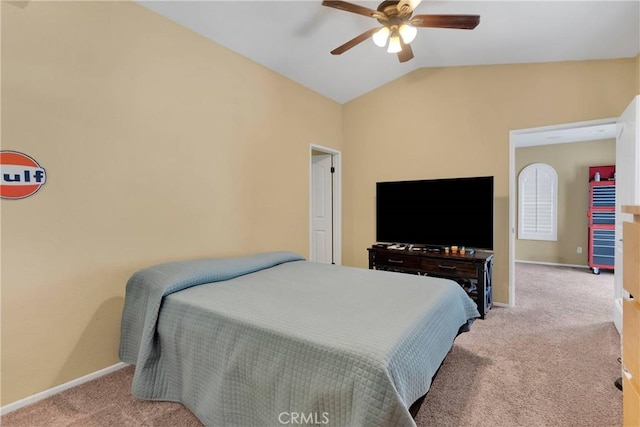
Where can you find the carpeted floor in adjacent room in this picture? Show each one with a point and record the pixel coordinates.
(550, 361)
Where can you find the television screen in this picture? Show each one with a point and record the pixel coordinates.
(438, 212)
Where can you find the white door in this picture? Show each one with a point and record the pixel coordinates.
(627, 188)
(321, 209)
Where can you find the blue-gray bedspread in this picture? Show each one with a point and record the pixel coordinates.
(270, 339)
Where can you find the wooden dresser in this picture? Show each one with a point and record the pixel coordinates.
(631, 319)
(474, 271)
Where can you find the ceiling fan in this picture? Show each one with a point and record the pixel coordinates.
(399, 28)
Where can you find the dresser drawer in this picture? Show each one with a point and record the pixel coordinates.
(400, 260)
(630, 334)
(449, 267)
(631, 260)
(630, 401)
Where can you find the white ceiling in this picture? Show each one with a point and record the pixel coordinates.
(593, 130)
(294, 38)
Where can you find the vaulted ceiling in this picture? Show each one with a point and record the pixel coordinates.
(294, 38)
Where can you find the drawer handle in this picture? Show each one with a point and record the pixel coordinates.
(447, 267)
(395, 261)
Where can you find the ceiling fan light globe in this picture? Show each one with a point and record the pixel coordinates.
(408, 33)
(394, 44)
(380, 37)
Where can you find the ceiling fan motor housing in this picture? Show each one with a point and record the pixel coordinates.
(392, 16)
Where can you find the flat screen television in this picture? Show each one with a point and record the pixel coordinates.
(437, 212)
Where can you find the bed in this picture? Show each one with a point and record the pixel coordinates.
(273, 339)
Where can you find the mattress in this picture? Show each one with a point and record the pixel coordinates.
(272, 339)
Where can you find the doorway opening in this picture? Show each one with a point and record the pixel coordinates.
(325, 207)
(548, 135)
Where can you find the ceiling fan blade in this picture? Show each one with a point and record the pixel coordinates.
(353, 8)
(463, 22)
(406, 53)
(354, 41)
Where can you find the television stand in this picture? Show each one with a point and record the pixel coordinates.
(473, 271)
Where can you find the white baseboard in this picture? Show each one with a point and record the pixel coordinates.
(556, 264)
(501, 304)
(62, 387)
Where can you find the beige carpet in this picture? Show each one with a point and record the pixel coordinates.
(550, 361)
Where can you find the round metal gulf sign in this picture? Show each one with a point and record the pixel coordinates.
(21, 176)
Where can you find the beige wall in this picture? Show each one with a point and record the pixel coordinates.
(454, 122)
(159, 145)
(638, 72)
(571, 162)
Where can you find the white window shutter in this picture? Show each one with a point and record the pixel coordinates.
(538, 203)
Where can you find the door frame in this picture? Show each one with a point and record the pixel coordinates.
(522, 138)
(336, 157)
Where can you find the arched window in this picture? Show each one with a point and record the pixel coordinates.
(538, 203)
